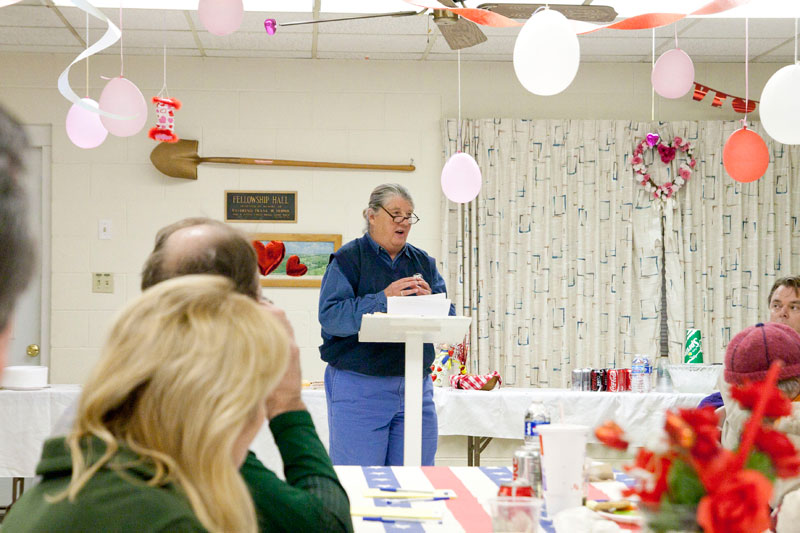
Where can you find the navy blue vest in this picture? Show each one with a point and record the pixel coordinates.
(358, 262)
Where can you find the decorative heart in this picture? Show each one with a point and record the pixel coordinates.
(652, 139)
(269, 255)
(294, 267)
(667, 153)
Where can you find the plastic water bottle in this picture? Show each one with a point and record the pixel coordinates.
(536, 415)
(663, 379)
(640, 374)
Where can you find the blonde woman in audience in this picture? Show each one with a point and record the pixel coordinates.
(165, 419)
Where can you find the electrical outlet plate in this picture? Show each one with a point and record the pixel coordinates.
(103, 282)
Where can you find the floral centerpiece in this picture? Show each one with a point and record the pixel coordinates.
(726, 491)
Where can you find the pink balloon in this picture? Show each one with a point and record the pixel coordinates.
(745, 155)
(461, 178)
(121, 97)
(84, 128)
(221, 17)
(673, 74)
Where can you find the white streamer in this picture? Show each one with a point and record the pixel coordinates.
(108, 39)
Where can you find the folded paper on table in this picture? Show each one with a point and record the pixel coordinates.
(400, 513)
(425, 305)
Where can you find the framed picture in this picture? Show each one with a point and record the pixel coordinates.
(293, 259)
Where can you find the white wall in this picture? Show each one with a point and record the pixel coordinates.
(350, 111)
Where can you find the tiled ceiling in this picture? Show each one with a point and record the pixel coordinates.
(39, 26)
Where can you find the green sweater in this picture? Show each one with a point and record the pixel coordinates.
(310, 500)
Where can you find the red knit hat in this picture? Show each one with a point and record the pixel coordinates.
(753, 350)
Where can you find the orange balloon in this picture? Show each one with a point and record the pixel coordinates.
(745, 155)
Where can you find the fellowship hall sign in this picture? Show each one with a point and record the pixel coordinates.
(259, 206)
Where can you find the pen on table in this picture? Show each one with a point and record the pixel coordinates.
(395, 520)
(390, 501)
(401, 489)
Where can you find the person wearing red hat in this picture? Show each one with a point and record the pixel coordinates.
(748, 357)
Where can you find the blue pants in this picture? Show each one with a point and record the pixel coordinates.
(366, 419)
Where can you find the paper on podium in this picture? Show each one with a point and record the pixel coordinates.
(425, 305)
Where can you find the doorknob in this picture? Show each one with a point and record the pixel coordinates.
(32, 350)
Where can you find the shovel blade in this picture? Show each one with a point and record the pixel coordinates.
(177, 160)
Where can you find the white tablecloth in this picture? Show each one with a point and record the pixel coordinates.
(27, 417)
(500, 413)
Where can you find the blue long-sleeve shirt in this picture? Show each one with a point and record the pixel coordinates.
(340, 311)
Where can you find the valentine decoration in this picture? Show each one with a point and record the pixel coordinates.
(673, 74)
(271, 26)
(476, 381)
(737, 102)
(220, 17)
(546, 53)
(444, 365)
(269, 255)
(780, 105)
(84, 128)
(667, 153)
(164, 130)
(745, 155)
(123, 98)
(461, 178)
(294, 267)
(690, 470)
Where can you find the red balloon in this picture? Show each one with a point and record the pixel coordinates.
(745, 155)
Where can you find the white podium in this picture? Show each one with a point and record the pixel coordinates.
(414, 331)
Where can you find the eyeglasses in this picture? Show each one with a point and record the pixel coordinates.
(399, 219)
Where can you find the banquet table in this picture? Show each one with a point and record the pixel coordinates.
(468, 512)
(27, 418)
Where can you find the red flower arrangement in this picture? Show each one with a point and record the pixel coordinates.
(730, 490)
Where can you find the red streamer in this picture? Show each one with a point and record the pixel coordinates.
(737, 102)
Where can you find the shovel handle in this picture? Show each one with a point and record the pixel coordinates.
(290, 163)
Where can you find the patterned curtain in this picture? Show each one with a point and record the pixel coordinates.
(560, 259)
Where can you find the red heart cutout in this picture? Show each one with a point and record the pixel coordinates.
(269, 255)
(294, 267)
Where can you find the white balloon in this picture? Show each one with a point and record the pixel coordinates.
(461, 178)
(546, 53)
(780, 106)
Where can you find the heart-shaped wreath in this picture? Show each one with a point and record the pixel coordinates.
(667, 152)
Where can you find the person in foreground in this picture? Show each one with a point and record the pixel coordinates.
(748, 357)
(311, 499)
(364, 382)
(165, 418)
(16, 244)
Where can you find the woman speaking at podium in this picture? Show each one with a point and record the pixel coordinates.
(364, 381)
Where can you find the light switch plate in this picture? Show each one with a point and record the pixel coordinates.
(104, 229)
(103, 282)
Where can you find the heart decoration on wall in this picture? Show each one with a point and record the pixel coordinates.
(667, 151)
(269, 255)
(294, 267)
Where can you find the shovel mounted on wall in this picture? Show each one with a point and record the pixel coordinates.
(180, 160)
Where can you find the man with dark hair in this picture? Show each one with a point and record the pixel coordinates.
(16, 244)
(784, 302)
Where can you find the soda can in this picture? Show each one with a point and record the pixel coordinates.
(577, 376)
(586, 379)
(516, 488)
(527, 467)
(614, 381)
(599, 379)
(627, 374)
(694, 347)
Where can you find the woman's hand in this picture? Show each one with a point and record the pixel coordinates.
(408, 287)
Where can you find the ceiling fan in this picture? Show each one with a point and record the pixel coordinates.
(459, 32)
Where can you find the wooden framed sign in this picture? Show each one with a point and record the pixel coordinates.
(260, 206)
(293, 259)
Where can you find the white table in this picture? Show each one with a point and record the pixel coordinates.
(27, 418)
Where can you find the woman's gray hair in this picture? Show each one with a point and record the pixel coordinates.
(790, 387)
(382, 194)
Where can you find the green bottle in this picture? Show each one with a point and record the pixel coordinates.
(694, 347)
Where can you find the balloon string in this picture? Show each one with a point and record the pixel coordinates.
(87, 57)
(653, 67)
(164, 43)
(795, 41)
(675, 27)
(121, 60)
(459, 100)
(746, 68)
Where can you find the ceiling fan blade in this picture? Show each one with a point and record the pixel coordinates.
(588, 13)
(461, 34)
(359, 17)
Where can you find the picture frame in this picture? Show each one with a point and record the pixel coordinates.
(276, 256)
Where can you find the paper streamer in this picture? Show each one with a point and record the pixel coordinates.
(4, 3)
(108, 39)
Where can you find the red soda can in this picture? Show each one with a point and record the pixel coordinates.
(518, 487)
(626, 372)
(614, 380)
